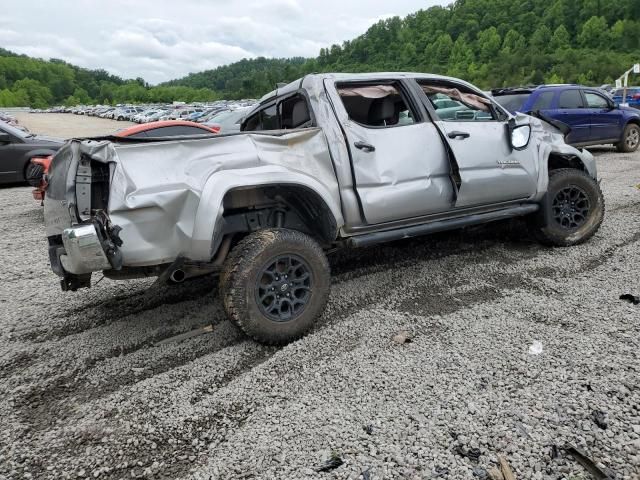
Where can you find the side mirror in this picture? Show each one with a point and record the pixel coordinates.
(519, 135)
(5, 137)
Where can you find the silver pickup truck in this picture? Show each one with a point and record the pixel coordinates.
(329, 161)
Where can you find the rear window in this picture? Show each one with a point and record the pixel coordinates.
(543, 101)
(570, 99)
(512, 101)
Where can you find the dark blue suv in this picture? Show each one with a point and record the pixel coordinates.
(593, 116)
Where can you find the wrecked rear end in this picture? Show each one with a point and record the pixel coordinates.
(81, 237)
(132, 209)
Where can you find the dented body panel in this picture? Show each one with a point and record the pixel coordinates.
(172, 209)
(165, 200)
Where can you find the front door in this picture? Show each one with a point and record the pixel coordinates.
(400, 165)
(490, 171)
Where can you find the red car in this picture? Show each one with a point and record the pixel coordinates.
(168, 128)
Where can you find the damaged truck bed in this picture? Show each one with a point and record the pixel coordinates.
(329, 161)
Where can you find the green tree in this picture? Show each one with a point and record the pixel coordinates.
(595, 33)
(541, 39)
(561, 39)
(489, 43)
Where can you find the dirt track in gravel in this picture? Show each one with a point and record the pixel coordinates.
(86, 391)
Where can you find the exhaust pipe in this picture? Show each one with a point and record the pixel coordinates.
(178, 276)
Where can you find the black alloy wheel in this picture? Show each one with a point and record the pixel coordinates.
(571, 207)
(284, 287)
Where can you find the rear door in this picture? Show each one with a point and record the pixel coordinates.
(399, 162)
(606, 121)
(570, 109)
(490, 171)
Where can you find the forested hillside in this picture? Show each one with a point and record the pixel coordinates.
(488, 42)
(246, 78)
(38, 83)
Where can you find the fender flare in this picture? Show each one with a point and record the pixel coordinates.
(210, 210)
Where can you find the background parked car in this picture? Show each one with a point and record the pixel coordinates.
(633, 96)
(229, 121)
(593, 116)
(17, 148)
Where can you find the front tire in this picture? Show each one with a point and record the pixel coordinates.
(574, 210)
(630, 139)
(275, 285)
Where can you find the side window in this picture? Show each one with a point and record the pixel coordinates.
(455, 105)
(570, 99)
(291, 112)
(294, 112)
(269, 118)
(376, 105)
(543, 102)
(264, 119)
(596, 101)
(253, 122)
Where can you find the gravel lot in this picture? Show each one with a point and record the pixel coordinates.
(86, 391)
(67, 125)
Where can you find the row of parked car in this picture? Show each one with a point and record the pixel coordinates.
(225, 116)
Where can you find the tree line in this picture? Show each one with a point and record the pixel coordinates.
(37, 83)
(491, 43)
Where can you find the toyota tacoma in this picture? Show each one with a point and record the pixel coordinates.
(329, 161)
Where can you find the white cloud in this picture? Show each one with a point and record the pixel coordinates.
(163, 40)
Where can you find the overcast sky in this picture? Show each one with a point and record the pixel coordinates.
(164, 39)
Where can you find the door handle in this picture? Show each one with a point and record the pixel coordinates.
(365, 146)
(457, 133)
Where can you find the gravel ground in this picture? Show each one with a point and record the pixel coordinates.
(68, 125)
(87, 391)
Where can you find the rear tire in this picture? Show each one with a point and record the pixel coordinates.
(630, 139)
(275, 285)
(574, 210)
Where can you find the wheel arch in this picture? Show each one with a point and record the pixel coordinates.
(635, 121)
(230, 193)
(300, 207)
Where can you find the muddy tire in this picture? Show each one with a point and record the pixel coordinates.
(275, 284)
(573, 212)
(630, 139)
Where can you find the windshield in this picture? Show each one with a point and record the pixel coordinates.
(512, 101)
(15, 131)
